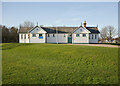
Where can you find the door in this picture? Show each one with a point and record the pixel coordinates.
(69, 39)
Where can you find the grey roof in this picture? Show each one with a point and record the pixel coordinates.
(93, 29)
(59, 29)
(48, 30)
(24, 29)
(64, 29)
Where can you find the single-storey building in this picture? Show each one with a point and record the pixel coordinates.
(39, 34)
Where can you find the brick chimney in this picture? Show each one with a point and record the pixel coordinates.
(84, 24)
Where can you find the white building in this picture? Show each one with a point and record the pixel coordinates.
(73, 35)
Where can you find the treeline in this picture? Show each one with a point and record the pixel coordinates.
(9, 35)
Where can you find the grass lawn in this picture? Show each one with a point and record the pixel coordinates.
(58, 64)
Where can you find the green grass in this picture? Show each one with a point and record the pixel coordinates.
(58, 64)
(118, 44)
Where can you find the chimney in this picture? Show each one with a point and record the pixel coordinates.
(84, 24)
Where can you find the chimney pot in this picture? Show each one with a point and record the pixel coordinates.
(84, 24)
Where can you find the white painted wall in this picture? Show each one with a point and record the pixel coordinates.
(81, 30)
(58, 38)
(80, 39)
(93, 40)
(23, 40)
(36, 39)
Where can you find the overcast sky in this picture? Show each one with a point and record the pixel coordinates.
(60, 13)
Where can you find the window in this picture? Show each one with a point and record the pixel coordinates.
(48, 35)
(92, 36)
(53, 35)
(64, 35)
(33, 35)
(84, 35)
(24, 36)
(77, 35)
(28, 36)
(40, 35)
(21, 36)
(95, 36)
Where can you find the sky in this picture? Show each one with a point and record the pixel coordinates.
(60, 13)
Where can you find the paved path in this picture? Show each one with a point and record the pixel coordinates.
(99, 45)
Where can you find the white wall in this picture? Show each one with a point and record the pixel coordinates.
(80, 39)
(23, 40)
(93, 40)
(36, 39)
(58, 38)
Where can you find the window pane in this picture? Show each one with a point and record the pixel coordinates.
(24, 36)
(40, 35)
(95, 36)
(21, 36)
(77, 35)
(53, 35)
(92, 36)
(33, 35)
(84, 35)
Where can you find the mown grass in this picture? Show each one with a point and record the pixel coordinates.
(118, 44)
(58, 64)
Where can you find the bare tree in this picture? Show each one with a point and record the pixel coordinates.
(103, 33)
(111, 32)
(27, 24)
(108, 32)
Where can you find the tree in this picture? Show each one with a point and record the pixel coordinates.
(9, 34)
(108, 32)
(111, 32)
(103, 33)
(5, 34)
(27, 24)
(0, 33)
(13, 34)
